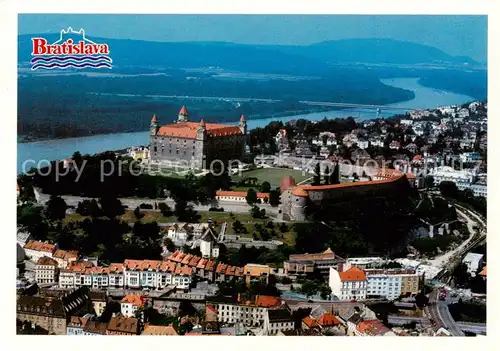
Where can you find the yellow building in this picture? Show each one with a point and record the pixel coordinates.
(256, 272)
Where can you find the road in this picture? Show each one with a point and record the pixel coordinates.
(438, 310)
(229, 206)
(476, 328)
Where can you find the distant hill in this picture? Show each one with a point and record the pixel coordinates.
(378, 51)
(299, 60)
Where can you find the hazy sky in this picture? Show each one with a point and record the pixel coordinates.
(456, 35)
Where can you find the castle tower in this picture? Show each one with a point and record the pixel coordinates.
(183, 115)
(243, 128)
(154, 126)
(199, 145)
(299, 204)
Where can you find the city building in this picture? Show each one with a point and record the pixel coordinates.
(37, 249)
(95, 328)
(46, 270)
(159, 330)
(392, 283)
(250, 312)
(64, 257)
(372, 328)
(278, 320)
(99, 301)
(474, 262)
(76, 325)
(364, 262)
(120, 325)
(256, 272)
(348, 285)
(238, 196)
(130, 303)
(208, 244)
(309, 263)
(196, 144)
(53, 313)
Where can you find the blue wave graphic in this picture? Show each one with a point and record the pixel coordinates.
(73, 62)
(70, 65)
(76, 58)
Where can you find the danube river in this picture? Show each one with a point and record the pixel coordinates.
(32, 153)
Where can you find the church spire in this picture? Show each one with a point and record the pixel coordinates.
(183, 114)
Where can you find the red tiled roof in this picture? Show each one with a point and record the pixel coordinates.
(239, 194)
(352, 274)
(242, 118)
(116, 268)
(267, 301)
(305, 188)
(135, 300)
(183, 111)
(154, 120)
(39, 246)
(189, 130)
(327, 320)
(65, 255)
(483, 272)
(46, 261)
(311, 323)
(372, 327)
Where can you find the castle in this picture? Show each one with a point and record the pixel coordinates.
(296, 198)
(196, 144)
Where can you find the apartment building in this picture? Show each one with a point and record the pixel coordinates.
(37, 249)
(278, 320)
(130, 303)
(348, 285)
(250, 312)
(46, 270)
(64, 257)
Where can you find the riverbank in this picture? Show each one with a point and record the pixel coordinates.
(425, 98)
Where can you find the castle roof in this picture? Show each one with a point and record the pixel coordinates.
(154, 120)
(242, 118)
(183, 111)
(189, 130)
(299, 191)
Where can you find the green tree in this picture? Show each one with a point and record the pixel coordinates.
(137, 213)
(326, 175)
(274, 198)
(56, 208)
(251, 196)
(165, 209)
(169, 244)
(255, 212)
(335, 176)
(317, 175)
(111, 206)
(265, 187)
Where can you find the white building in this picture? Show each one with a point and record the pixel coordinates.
(250, 313)
(208, 244)
(131, 274)
(46, 270)
(64, 257)
(37, 249)
(363, 143)
(391, 283)
(348, 285)
(364, 262)
(474, 262)
(446, 173)
(129, 305)
(278, 320)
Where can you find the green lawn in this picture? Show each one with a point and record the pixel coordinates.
(272, 175)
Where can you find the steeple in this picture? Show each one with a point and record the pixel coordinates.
(153, 128)
(183, 115)
(243, 125)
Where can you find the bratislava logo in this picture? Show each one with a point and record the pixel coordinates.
(72, 50)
